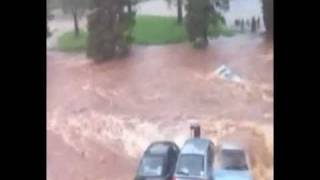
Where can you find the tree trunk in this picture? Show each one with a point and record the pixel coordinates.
(179, 6)
(129, 7)
(267, 7)
(107, 29)
(76, 25)
(48, 30)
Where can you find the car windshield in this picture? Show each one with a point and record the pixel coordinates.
(191, 165)
(234, 160)
(151, 166)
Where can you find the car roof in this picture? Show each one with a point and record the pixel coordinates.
(230, 146)
(159, 147)
(196, 146)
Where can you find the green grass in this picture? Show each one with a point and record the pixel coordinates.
(158, 30)
(148, 30)
(220, 30)
(69, 42)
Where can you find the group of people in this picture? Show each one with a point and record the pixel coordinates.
(254, 24)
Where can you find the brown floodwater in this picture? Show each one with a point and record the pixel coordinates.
(101, 116)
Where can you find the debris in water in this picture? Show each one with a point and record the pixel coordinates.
(225, 72)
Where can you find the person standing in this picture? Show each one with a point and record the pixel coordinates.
(258, 23)
(248, 23)
(242, 25)
(253, 25)
(237, 22)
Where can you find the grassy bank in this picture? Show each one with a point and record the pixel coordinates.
(69, 42)
(148, 30)
(158, 30)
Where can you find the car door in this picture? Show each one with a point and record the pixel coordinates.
(210, 162)
(171, 163)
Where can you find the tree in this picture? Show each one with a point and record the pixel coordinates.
(48, 18)
(197, 22)
(109, 28)
(76, 8)
(179, 5)
(201, 13)
(267, 8)
(179, 10)
(216, 10)
(48, 30)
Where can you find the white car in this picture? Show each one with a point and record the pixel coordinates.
(232, 163)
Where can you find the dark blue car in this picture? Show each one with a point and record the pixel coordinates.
(158, 161)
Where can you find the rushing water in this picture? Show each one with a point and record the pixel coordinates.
(100, 117)
(109, 112)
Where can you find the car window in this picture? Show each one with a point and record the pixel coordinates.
(191, 165)
(234, 160)
(176, 149)
(210, 158)
(151, 166)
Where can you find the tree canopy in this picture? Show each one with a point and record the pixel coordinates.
(109, 28)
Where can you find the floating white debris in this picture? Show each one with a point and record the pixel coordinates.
(225, 72)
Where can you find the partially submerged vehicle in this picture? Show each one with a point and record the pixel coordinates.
(232, 163)
(195, 160)
(158, 161)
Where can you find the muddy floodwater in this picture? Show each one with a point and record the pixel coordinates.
(101, 116)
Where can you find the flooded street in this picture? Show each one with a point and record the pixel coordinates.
(101, 116)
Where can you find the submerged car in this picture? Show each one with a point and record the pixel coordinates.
(158, 161)
(232, 163)
(195, 160)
